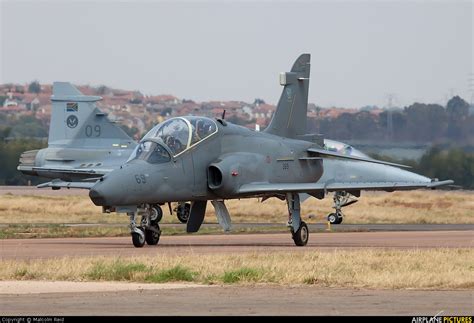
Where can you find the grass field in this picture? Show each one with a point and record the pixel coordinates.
(422, 206)
(369, 268)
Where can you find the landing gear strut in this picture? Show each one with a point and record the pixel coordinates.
(149, 229)
(299, 229)
(341, 199)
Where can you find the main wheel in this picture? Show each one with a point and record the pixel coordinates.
(152, 237)
(138, 240)
(334, 218)
(156, 214)
(301, 236)
(183, 212)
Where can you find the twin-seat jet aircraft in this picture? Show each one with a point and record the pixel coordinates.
(192, 160)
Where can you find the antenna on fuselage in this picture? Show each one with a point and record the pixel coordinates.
(223, 115)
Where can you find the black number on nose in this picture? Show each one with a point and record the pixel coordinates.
(140, 178)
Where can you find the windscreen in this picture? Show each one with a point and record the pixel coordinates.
(150, 152)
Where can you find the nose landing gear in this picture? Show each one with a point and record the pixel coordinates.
(341, 199)
(149, 229)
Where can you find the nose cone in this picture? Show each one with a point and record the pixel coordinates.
(96, 196)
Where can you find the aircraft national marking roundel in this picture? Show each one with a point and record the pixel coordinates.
(72, 121)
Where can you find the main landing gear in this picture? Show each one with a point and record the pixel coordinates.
(182, 211)
(299, 229)
(340, 199)
(149, 230)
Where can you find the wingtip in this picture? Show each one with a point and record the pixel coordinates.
(435, 183)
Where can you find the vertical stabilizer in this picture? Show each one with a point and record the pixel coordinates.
(77, 122)
(289, 119)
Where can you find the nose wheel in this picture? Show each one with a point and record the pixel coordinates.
(138, 239)
(341, 199)
(149, 230)
(335, 218)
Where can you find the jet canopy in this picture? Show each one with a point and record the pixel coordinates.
(343, 148)
(181, 133)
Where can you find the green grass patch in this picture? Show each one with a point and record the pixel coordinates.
(176, 273)
(28, 231)
(117, 270)
(244, 274)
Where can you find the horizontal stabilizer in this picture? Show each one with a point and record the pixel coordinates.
(326, 153)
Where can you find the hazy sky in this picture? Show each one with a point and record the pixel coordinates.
(234, 50)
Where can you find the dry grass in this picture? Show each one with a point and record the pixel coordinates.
(422, 206)
(373, 207)
(368, 268)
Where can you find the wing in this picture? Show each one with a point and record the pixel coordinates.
(65, 173)
(56, 184)
(327, 153)
(259, 188)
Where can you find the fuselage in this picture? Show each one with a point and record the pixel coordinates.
(227, 157)
(211, 169)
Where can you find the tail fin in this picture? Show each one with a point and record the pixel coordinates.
(289, 119)
(77, 122)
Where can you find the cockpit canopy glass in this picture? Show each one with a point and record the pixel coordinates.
(343, 148)
(151, 152)
(181, 133)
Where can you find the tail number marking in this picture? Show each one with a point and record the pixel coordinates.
(93, 131)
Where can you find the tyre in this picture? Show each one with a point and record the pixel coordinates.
(183, 212)
(156, 214)
(138, 240)
(301, 236)
(339, 220)
(333, 218)
(152, 237)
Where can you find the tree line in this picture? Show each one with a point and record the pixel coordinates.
(418, 122)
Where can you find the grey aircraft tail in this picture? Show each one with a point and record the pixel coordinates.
(289, 119)
(77, 122)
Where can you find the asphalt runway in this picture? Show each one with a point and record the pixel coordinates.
(231, 243)
(242, 300)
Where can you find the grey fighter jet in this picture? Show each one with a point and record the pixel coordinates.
(83, 143)
(200, 159)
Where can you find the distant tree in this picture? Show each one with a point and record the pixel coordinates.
(425, 122)
(102, 90)
(10, 152)
(258, 101)
(34, 87)
(458, 111)
(443, 163)
(4, 132)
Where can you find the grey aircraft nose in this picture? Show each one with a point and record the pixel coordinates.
(96, 197)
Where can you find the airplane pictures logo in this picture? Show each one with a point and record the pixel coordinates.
(72, 107)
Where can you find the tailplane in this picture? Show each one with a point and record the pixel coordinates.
(289, 119)
(77, 122)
